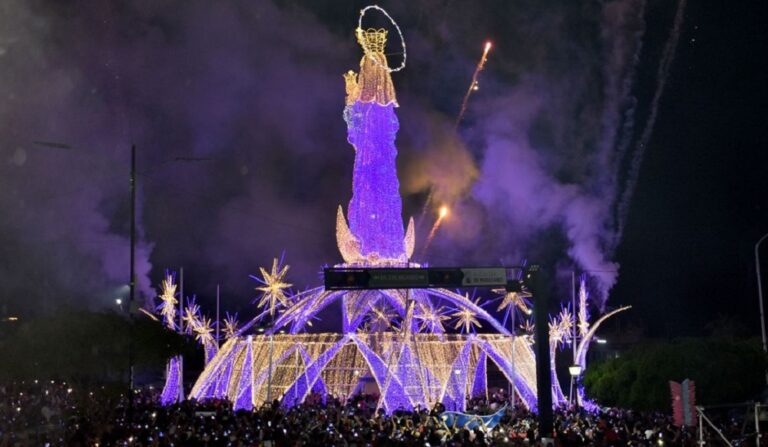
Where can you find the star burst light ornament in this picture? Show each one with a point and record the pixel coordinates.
(528, 330)
(191, 314)
(432, 318)
(514, 299)
(169, 301)
(560, 327)
(466, 319)
(274, 286)
(203, 329)
(382, 317)
(231, 326)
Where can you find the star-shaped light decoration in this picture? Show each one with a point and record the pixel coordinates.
(529, 328)
(231, 326)
(510, 299)
(381, 317)
(466, 318)
(560, 327)
(274, 286)
(169, 301)
(191, 315)
(203, 329)
(432, 318)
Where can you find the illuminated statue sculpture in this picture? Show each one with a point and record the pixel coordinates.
(393, 342)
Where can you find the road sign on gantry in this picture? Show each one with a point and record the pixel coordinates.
(413, 278)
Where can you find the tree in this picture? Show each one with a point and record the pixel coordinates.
(87, 346)
(725, 369)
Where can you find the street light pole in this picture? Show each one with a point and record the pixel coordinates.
(760, 296)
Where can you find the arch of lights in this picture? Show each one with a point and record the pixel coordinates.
(414, 347)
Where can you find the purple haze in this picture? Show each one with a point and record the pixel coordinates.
(254, 86)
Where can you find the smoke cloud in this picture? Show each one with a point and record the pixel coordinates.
(236, 113)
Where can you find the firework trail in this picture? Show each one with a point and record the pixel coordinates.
(473, 85)
(642, 143)
(433, 231)
(626, 130)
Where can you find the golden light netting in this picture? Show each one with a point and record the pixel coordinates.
(425, 368)
(374, 83)
(342, 374)
(519, 352)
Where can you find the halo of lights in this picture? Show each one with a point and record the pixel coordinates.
(359, 30)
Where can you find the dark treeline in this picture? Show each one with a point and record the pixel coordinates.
(87, 347)
(725, 370)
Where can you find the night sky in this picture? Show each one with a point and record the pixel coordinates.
(603, 138)
(687, 256)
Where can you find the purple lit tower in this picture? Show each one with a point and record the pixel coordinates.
(400, 344)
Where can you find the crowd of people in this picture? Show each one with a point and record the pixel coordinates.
(51, 413)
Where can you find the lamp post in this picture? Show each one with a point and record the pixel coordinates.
(575, 371)
(760, 296)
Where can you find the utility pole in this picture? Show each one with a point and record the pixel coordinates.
(181, 300)
(218, 320)
(181, 332)
(540, 281)
(760, 297)
(571, 395)
(132, 282)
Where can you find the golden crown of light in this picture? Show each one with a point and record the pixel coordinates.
(372, 40)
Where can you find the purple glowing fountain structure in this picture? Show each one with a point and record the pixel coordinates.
(392, 342)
